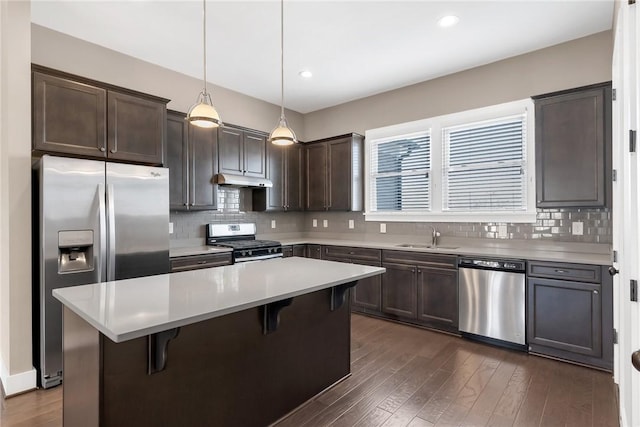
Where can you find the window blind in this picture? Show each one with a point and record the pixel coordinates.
(484, 166)
(400, 174)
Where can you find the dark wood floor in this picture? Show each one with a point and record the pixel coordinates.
(404, 376)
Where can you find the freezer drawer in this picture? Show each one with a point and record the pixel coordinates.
(492, 304)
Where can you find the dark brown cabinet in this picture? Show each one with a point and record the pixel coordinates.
(366, 295)
(573, 147)
(294, 250)
(314, 251)
(569, 313)
(241, 152)
(192, 162)
(284, 169)
(73, 115)
(195, 262)
(334, 170)
(421, 288)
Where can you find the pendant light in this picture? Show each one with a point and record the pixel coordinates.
(203, 113)
(282, 134)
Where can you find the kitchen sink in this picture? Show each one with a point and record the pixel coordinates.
(423, 246)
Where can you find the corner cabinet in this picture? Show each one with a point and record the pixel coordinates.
(570, 312)
(573, 147)
(284, 169)
(192, 163)
(334, 170)
(241, 151)
(82, 117)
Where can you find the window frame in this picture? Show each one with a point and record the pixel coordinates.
(435, 126)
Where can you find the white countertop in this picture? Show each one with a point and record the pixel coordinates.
(126, 309)
(197, 250)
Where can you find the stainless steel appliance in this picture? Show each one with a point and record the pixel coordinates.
(492, 300)
(95, 221)
(242, 239)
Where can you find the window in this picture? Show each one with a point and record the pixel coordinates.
(473, 166)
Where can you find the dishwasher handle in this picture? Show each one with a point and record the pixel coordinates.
(516, 266)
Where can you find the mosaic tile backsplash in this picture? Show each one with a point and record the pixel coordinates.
(551, 224)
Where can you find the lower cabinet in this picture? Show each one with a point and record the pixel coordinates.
(570, 319)
(399, 291)
(194, 262)
(438, 297)
(294, 250)
(314, 251)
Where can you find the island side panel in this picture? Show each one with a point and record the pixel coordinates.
(81, 367)
(225, 372)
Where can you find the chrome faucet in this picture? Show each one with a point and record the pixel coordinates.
(434, 236)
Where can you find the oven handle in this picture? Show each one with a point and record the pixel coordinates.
(257, 258)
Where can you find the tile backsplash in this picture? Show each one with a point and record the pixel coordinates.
(551, 224)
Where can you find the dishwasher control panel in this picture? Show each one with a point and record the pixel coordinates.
(492, 264)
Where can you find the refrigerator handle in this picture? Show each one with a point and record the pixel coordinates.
(111, 229)
(102, 224)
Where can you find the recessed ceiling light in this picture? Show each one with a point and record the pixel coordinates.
(306, 74)
(448, 21)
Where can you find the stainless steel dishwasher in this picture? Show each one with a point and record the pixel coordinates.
(492, 300)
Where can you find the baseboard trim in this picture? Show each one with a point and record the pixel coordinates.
(16, 383)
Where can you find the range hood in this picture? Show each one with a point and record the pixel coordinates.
(232, 180)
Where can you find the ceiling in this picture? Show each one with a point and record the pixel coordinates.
(354, 48)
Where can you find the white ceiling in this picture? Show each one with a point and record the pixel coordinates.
(354, 48)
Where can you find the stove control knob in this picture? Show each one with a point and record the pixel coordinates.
(244, 253)
(250, 253)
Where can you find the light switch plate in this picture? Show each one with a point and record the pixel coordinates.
(325, 223)
(383, 227)
(273, 223)
(351, 224)
(170, 228)
(314, 222)
(577, 228)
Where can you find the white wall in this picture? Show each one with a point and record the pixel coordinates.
(16, 369)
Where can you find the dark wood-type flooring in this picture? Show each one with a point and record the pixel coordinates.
(404, 376)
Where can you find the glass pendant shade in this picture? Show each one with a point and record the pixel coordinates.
(203, 114)
(282, 134)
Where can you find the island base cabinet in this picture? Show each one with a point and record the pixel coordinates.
(219, 372)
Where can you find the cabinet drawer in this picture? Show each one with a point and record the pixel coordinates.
(552, 270)
(415, 258)
(200, 261)
(352, 253)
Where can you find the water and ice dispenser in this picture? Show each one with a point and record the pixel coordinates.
(75, 251)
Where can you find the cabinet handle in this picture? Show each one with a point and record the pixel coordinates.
(103, 149)
(419, 271)
(595, 292)
(113, 150)
(561, 271)
(202, 262)
(186, 204)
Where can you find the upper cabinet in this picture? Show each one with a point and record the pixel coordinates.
(284, 169)
(333, 169)
(241, 151)
(573, 147)
(192, 163)
(77, 116)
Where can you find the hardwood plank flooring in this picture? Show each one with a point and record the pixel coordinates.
(405, 376)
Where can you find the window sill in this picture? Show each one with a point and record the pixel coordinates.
(514, 217)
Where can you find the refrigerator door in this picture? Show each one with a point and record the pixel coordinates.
(71, 217)
(138, 221)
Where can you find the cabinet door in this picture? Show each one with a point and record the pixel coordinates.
(69, 117)
(136, 128)
(399, 290)
(230, 151)
(565, 315)
(368, 292)
(177, 141)
(339, 175)
(299, 250)
(316, 168)
(276, 173)
(438, 297)
(294, 178)
(203, 144)
(287, 251)
(314, 251)
(573, 132)
(254, 154)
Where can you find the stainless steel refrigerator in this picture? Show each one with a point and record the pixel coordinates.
(94, 221)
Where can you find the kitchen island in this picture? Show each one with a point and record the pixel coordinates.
(237, 345)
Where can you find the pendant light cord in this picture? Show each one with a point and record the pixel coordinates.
(204, 42)
(281, 59)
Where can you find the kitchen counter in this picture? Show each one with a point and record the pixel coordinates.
(127, 309)
(197, 250)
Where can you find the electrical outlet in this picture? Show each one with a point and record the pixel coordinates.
(314, 222)
(325, 223)
(383, 227)
(170, 228)
(577, 228)
(273, 223)
(502, 231)
(351, 224)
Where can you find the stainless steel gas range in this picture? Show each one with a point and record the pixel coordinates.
(242, 239)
